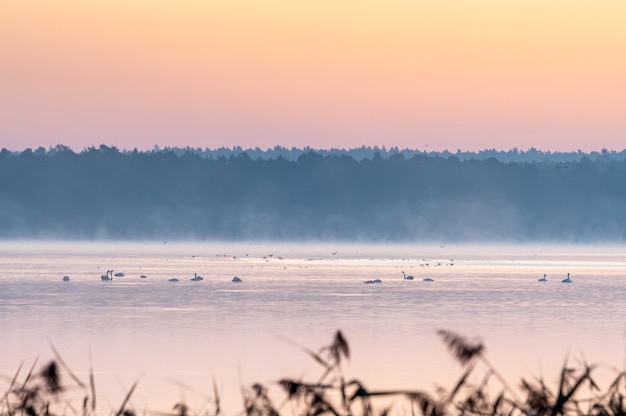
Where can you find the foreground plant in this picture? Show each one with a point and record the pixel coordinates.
(576, 393)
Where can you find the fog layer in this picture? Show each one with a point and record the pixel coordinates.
(102, 193)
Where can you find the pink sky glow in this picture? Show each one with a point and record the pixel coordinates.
(417, 74)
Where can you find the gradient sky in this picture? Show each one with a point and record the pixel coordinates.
(425, 74)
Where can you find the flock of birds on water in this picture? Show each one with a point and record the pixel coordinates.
(109, 277)
(568, 279)
(197, 278)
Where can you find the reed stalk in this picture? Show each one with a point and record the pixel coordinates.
(40, 393)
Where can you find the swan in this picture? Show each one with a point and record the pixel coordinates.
(108, 276)
(143, 276)
(237, 280)
(119, 274)
(543, 279)
(428, 279)
(567, 279)
(407, 277)
(66, 278)
(196, 278)
(173, 279)
(373, 281)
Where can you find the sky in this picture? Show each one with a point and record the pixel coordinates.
(420, 74)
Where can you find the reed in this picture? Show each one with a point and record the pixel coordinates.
(41, 393)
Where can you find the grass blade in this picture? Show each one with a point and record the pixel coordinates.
(126, 399)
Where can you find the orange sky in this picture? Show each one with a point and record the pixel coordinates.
(447, 74)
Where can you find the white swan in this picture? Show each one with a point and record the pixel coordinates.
(108, 276)
(237, 280)
(567, 279)
(406, 277)
(119, 274)
(143, 276)
(373, 281)
(543, 279)
(428, 279)
(173, 279)
(196, 278)
(66, 278)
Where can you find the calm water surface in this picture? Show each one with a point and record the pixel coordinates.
(175, 338)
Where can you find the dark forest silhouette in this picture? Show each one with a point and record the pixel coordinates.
(306, 194)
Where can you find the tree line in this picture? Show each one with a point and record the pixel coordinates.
(104, 193)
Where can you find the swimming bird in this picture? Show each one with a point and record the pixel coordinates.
(407, 277)
(108, 276)
(237, 280)
(119, 274)
(373, 281)
(173, 279)
(66, 278)
(567, 279)
(143, 276)
(543, 279)
(196, 278)
(428, 279)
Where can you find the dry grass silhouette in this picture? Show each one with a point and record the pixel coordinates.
(40, 393)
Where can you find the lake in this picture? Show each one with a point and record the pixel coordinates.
(174, 339)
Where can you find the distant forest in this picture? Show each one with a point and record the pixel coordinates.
(364, 194)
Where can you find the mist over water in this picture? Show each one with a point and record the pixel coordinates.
(104, 194)
(164, 333)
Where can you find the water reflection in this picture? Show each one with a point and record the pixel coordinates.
(192, 332)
